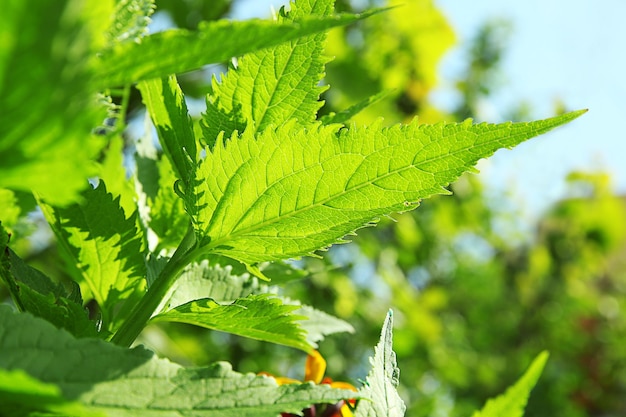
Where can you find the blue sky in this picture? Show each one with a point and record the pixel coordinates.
(559, 50)
(572, 51)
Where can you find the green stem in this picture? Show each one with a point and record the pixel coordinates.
(138, 318)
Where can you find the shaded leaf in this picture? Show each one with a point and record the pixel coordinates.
(166, 105)
(22, 395)
(161, 209)
(34, 292)
(133, 382)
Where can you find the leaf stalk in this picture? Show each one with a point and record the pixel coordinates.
(143, 311)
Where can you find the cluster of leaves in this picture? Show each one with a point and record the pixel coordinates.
(258, 181)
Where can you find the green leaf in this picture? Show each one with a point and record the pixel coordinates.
(106, 247)
(113, 172)
(513, 401)
(132, 382)
(221, 286)
(166, 105)
(10, 210)
(318, 324)
(47, 96)
(273, 85)
(34, 292)
(217, 41)
(23, 395)
(130, 20)
(259, 317)
(289, 192)
(218, 283)
(160, 207)
(383, 379)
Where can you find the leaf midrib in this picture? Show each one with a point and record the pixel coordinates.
(231, 236)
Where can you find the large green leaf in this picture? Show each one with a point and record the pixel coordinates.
(513, 401)
(47, 95)
(176, 51)
(273, 85)
(259, 317)
(288, 192)
(106, 247)
(383, 379)
(123, 383)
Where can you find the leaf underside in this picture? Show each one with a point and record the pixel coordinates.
(383, 379)
(133, 382)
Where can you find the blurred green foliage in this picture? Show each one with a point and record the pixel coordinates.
(475, 296)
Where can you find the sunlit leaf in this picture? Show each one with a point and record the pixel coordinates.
(107, 249)
(382, 381)
(273, 85)
(291, 191)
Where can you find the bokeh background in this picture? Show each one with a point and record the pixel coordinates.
(529, 255)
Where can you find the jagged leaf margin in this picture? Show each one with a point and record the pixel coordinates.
(273, 85)
(217, 41)
(383, 379)
(291, 191)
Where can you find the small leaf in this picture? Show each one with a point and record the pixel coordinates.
(273, 85)
(513, 401)
(200, 280)
(289, 192)
(134, 383)
(383, 379)
(34, 292)
(217, 41)
(221, 285)
(259, 317)
(107, 249)
(165, 103)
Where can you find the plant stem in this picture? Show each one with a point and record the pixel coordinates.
(138, 318)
